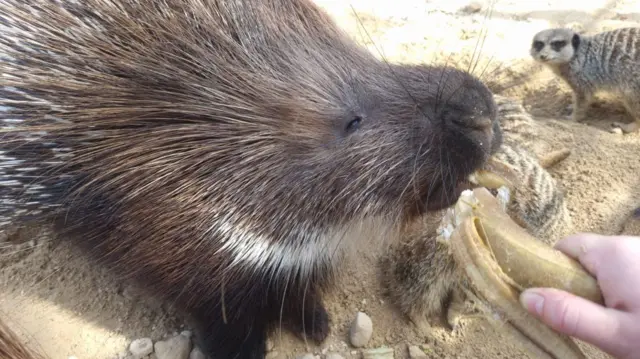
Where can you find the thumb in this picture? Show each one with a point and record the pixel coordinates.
(576, 317)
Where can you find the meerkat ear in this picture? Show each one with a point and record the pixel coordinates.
(575, 41)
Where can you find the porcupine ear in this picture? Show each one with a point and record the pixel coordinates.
(575, 41)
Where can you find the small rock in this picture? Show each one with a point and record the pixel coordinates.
(186, 333)
(361, 330)
(140, 348)
(378, 353)
(416, 353)
(333, 356)
(196, 353)
(306, 356)
(177, 347)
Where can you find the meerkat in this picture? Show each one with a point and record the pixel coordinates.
(605, 62)
(419, 276)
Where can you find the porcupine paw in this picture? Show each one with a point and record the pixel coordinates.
(232, 345)
(243, 337)
(314, 324)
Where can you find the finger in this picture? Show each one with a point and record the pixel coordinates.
(586, 248)
(577, 317)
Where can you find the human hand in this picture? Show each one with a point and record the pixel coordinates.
(615, 262)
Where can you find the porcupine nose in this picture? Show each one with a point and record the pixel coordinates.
(478, 127)
(478, 124)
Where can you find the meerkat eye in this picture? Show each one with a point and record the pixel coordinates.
(353, 125)
(558, 45)
(538, 45)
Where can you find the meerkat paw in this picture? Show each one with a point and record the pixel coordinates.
(626, 127)
(461, 307)
(577, 116)
(568, 111)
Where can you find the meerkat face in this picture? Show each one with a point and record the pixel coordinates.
(554, 46)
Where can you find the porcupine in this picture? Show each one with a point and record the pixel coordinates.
(225, 152)
(420, 277)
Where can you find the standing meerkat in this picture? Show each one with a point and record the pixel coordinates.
(605, 62)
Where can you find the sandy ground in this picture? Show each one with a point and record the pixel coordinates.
(67, 307)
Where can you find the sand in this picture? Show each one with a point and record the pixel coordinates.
(67, 307)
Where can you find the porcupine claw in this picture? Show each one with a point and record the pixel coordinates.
(499, 259)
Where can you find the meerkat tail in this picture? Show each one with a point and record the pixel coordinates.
(553, 158)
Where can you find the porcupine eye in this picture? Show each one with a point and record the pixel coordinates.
(353, 125)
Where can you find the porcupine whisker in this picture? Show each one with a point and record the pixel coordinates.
(483, 37)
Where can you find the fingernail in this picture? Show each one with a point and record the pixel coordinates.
(532, 300)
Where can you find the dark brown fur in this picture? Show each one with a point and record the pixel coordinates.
(221, 151)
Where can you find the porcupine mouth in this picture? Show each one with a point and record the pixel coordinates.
(492, 175)
(444, 195)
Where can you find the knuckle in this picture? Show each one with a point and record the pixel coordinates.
(567, 317)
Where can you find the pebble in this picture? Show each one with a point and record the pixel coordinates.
(378, 353)
(196, 353)
(334, 356)
(361, 330)
(306, 356)
(140, 348)
(416, 353)
(177, 347)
